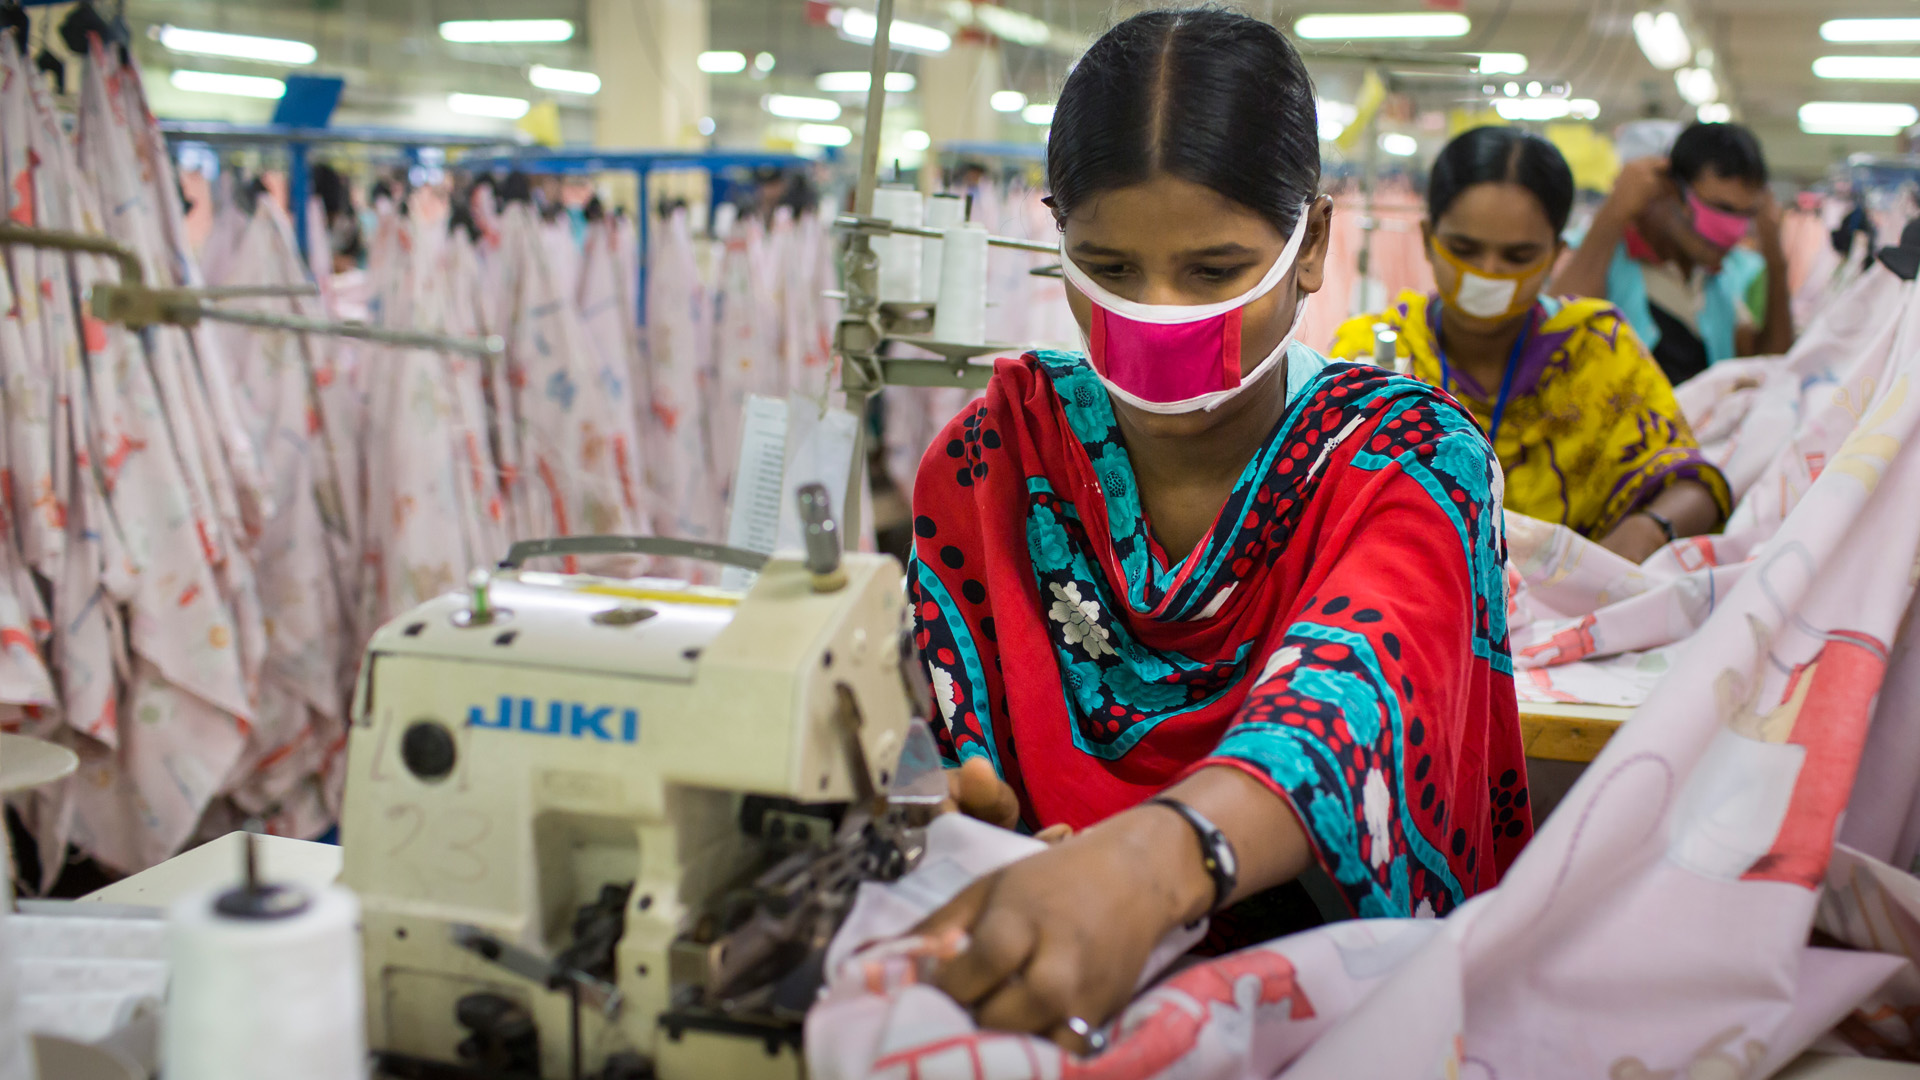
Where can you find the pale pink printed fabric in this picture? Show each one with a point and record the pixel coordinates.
(746, 341)
(1589, 627)
(580, 468)
(682, 470)
(289, 773)
(607, 326)
(1657, 925)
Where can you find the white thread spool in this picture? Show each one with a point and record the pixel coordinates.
(942, 211)
(15, 1059)
(899, 254)
(960, 316)
(271, 995)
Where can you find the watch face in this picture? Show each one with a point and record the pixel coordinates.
(1223, 853)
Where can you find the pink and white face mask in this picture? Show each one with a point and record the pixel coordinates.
(1179, 358)
(1718, 227)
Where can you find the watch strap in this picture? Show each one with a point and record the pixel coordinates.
(1216, 851)
(1666, 524)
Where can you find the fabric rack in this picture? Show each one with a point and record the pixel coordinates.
(642, 164)
(297, 142)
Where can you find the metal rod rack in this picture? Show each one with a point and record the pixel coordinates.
(642, 163)
(132, 302)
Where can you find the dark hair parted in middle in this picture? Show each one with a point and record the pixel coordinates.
(1210, 96)
(1502, 155)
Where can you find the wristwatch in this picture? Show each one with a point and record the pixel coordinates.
(1666, 526)
(1216, 851)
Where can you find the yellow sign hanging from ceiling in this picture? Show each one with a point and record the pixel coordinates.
(1589, 154)
(1373, 94)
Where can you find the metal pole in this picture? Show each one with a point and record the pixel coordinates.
(858, 321)
(410, 339)
(876, 108)
(1036, 246)
(130, 272)
(298, 184)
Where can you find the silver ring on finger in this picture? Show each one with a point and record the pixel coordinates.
(1095, 1038)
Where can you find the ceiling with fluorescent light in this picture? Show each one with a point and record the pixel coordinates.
(399, 72)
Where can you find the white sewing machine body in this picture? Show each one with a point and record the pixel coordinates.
(590, 733)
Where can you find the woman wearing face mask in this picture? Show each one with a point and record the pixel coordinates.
(1227, 609)
(1584, 423)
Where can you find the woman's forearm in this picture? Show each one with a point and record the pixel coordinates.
(1585, 273)
(1267, 838)
(1687, 504)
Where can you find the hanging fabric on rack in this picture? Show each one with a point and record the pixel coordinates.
(145, 537)
(682, 471)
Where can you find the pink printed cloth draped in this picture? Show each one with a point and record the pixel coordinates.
(1658, 923)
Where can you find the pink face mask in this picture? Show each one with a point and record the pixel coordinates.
(1716, 226)
(1177, 358)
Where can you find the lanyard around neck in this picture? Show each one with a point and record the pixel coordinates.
(1506, 378)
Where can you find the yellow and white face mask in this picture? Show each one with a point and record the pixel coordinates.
(1489, 296)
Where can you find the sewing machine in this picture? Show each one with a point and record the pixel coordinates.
(606, 827)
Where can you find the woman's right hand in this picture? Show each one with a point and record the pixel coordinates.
(975, 790)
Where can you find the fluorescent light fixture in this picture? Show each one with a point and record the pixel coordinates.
(1007, 101)
(505, 31)
(499, 108)
(1873, 31)
(1422, 24)
(1663, 38)
(721, 63)
(706, 125)
(1014, 26)
(1399, 145)
(1512, 89)
(1534, 89)
(1547, 108)
(859, 82)
(213, 82)
(1041, 115)
(240, 46)
(1697, 86)
(1873, 68)
(793, 107)
(1856, 118)
(824, 134)
(1334, 117)
(913, 37)
(1714, 112)
(916, 140)
(562, 80)
(1503, 63)
(763, 62)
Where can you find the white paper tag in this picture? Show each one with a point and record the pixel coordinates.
(819, 451)
(759, 485)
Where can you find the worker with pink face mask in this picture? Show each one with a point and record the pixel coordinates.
(1667, 249)
(1231, 613)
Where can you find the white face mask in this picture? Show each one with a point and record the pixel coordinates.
(1485, 297)
(1178, 358)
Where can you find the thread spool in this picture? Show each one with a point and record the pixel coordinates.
(960, 316)
(266, 983)
(15, 1059)
(899, 255)
(942, 211)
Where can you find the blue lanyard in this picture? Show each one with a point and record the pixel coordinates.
(1506, 379)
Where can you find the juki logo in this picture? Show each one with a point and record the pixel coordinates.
(570, 719)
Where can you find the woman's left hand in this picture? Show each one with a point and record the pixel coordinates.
(1062, 935)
